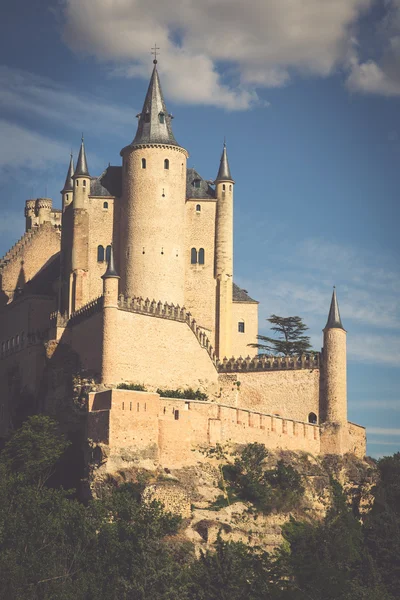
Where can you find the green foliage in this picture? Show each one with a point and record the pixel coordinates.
(186, 394)
(290, 339)
(136, 387)
(276, 489)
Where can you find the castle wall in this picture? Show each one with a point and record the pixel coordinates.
(200, 285)
(290, 393)
(247, 312)
(27, 258)
(158, 352)
(357, 440)
(100, 233)
(85, 338)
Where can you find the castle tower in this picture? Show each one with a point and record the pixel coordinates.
(68, 189)
(110, 310)
(224, 257)
(43, 210)
(30, 214)
(80, 233)
(152, 261)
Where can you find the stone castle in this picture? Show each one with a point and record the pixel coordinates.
(133, 278)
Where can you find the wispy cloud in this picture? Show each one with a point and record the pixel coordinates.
(383, 431)
(383, 443)
(374, 404)
(260, 44)
(27, 94)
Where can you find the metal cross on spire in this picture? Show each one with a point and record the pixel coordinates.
(154, 51)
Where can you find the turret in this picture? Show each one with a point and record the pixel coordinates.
(68, 189)
(110, 313)
(152, 257)
(224, 256)
(334, 397)
(30, 214)
(43, 209)
(81, 179)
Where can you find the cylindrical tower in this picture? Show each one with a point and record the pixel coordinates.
(153, 206)
(224, 257)
(30, 214)
(335, 367)
(43, 208)
(110, 312)
(67, 193)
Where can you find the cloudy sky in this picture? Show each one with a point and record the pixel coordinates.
(307, 93)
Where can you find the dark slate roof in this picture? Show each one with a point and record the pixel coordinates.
(109, 183)
(334, 321)
(205, 191)
(239, 295)
(69, 184)
(224, 173)
(81, 163)
(110, 271)
(150, 130)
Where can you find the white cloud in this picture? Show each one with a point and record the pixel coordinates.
(381, 404)
(27, 94)
(383, 431)
(371, 348)
(370, 78)
(260, 43)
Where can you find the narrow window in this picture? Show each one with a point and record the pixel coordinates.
(223, 187)
(201, 256)
(84, 183)
(176, 415)
(312, 418)
(123, 406)
(166, 164)
(143, 163)
(67, 197)
(137, 407)
(230, 188)
(196, 183)
(147, 118)
(193, 256)
(198, 208)
(108, 253)
(241, 326)
(130, 405)
(145, 407)
(77, 183)
(105, 204)
(161, 117)
(100, 253)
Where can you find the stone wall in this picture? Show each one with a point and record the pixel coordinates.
(248, 313)
(289, 393)
(100, 233)
(357, 442)
(85, 338)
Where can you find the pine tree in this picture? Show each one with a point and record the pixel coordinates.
(290, 338)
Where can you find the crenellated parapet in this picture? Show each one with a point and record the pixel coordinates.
(163, 310)
(86, 311)
(264, 362)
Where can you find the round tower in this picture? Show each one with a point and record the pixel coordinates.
(153, 205)
(81, 179)
(30, 214)
(110, 313)
(224, 257)
(67, 193)
(43, 209)
(335, 367)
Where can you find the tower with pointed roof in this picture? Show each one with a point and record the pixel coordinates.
(68, 189)
(152, 259)
(334, 382)
(224, 256)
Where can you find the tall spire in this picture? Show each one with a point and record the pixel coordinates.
(81, 163)
(334, 320)
(110, 271)
(69, 185)
(154, 125)
(224, 173)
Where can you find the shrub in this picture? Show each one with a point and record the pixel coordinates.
(186, 394)
(137, 387)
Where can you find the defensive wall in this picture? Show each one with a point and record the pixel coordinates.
(174, 432)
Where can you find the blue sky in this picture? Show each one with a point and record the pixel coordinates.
(307, 93)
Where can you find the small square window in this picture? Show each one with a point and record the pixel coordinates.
(241, 326)
(196, 183)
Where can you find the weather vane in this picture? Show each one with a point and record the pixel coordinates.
(154, 51)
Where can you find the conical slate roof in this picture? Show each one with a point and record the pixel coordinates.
(224, 173)
(154, 125)
(334, 320)
(81, 163)
(69, 184)
(110, 271)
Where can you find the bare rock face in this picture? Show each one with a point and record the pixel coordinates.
(195, 492)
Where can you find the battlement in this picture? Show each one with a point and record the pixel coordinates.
(22, 243)
(85, 311)
(265, 362)
(167, 311)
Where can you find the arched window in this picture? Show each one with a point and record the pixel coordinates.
(77, 183)
(143, 163)
(198, 208)
(84, 183)
(312, 418)
(193, 256)
(100, 253)
(166, 163)
(241, 326)
(161, 117)
(223, 187)
(67, 197)
(230, 188)
(201, 256)
(105, 204)
(108, 253)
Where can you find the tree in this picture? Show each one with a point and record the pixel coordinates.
(290, 339)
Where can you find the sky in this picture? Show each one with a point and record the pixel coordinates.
(307, 94)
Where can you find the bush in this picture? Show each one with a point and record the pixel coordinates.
(136, 387)
(186, 394)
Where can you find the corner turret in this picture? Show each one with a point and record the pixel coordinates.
(81, 179)
(68, 189)
(110, 330)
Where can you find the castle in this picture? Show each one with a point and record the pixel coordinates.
(134, 279)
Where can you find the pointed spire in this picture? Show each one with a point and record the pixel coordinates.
(69, 185)
(81, 163)
(224, 173)
(154, 125)
(334, 320)
(110, 271)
